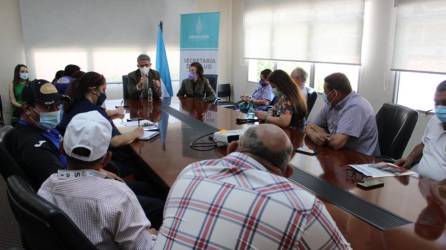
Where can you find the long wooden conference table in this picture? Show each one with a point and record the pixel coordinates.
(407, 213)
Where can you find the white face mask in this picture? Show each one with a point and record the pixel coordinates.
(24, 75)
(144, 70)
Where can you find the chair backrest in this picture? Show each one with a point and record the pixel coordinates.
(311, 100)
(2, 119)
(8, 165)
(43, 225)
(395, 126)
(224, 90)
(212, 81)
(125, 82)
(4, 130)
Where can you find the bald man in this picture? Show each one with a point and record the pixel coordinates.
(244, 200)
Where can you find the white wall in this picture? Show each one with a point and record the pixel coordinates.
(111, 32)
(11, 49)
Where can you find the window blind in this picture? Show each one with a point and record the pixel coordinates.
(304, 30)
(420, 37)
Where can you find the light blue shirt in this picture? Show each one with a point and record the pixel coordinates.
(263, 93)
(355, 117)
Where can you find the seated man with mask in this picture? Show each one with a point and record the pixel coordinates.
(143, 79)
(431, 152)
(245, 201)
(102, 206)
(35, 143)
(347, 119)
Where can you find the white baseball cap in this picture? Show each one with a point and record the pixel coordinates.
(90, 131)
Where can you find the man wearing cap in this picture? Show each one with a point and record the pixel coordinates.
(103, 207)
(34, 143)
(143, 79)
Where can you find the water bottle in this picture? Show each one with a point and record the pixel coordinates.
(149, 95)
(250, 114)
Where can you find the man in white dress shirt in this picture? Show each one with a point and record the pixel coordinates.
(100, 204)
(431, 152)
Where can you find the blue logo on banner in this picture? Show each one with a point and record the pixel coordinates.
(200, 31)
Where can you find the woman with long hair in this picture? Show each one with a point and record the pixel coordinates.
(88, 94)
(18, 83)
(290, 109)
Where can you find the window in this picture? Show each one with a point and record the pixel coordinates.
(114, 63)
(420, 36)
(304, 30)
(419, 58)
(256, 66)
(416, 90)
(322, 70)
(290, 66)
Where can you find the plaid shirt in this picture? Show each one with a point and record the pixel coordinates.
(235, 203)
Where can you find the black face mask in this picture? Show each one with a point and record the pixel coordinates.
(101, 99)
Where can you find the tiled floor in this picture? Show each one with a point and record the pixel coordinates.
(9, 231)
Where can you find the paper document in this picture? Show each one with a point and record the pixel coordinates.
(381, 169)
(112, 104)
(140, 123)
(149, 135)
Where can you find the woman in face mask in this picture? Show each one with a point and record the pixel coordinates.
(88, 94)
(20, 80)
(263, 95)
(290, 108)
(196, 85)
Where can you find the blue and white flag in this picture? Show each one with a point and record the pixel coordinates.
(162, 65)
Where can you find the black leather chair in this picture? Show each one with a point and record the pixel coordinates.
(2, 119)
(212, 81)
(125, 82)
(395, 126)
(224, 90)
(8, 165)
(311, 100)
(43, 225)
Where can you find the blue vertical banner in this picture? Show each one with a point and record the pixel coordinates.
(199, 34)
(162, 65)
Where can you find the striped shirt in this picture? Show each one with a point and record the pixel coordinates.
(235, 203)
(105, 210)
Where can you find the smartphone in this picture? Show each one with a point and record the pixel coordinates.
(243, 121)
(370, 184)
(305, 150)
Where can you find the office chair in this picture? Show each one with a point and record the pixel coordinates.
(212, 81)
(9, 166)
(125, 82)
(395, 126)
(4, 130)
(224, 90)
(311, 100)
(2, 119)
(43, 225)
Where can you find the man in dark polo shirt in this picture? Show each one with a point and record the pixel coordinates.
(35, 143)
(143, 79)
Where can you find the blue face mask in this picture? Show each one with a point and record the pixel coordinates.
(24, 75)
(440, 112)
(192, 76)
(49, 120)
